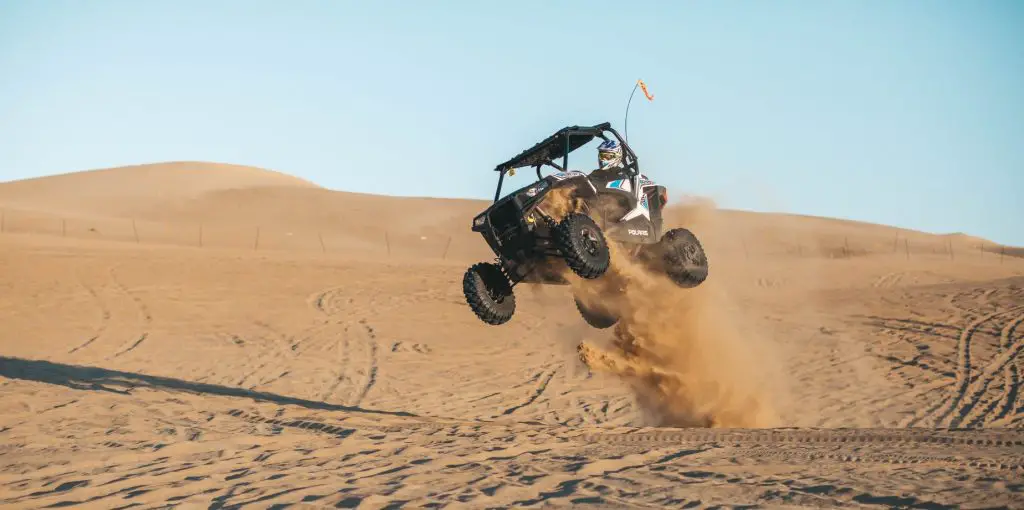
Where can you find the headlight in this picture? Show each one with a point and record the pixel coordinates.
(479, 220)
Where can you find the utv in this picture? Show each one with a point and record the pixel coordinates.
(531, 241)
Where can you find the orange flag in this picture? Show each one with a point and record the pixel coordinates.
(644, 87)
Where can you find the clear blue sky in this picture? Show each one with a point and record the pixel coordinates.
(906, 112)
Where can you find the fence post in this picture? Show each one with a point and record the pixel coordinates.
(320, 235)
(906, 246)
(1002, 253)
(387, 242)
(846, 246)
(256, 244)
(135, 231)
(950, 243)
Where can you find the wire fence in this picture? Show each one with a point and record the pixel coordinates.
(360, 241)
(367, 241)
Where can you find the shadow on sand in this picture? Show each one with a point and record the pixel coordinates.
(115, 381)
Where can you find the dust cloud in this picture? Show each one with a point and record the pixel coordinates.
(684, 352)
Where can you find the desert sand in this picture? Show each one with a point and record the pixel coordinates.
(213, 336)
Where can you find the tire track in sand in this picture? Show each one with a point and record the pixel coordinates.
(541, 388)
(357, 341)
(1004, 361)
(365, 347)
(1002, 450)
(145, 318)
(288, 348)
(1010, 408)
(342, 349)
(112, 300)
(104, 314)
(320, 302)
(131, 347)
(888, 280)
(1009, 404)
(283, 353)
(373, 363)
(946, 407)
(789, 456)
(813, 436)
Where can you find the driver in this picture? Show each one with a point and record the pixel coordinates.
(609, 160)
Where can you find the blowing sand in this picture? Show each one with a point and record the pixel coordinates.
(824, 363)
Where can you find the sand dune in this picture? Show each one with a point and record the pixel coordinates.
(850, 364)
(125, 191)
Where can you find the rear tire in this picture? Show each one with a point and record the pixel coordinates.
(684, 260)
(596, 317)
(583, 245)
(489, 293)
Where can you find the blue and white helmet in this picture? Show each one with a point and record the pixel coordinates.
(609, 154)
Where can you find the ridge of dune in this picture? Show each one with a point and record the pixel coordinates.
(216, 175)
(117, 191)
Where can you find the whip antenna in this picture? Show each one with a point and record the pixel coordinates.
(625, 122)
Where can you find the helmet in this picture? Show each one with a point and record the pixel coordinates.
(609, 154)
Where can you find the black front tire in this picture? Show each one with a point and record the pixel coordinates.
(683, 257)
(489, 293)
(583, 245)
(596, 317)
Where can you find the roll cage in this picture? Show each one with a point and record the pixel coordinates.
(560, 144)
